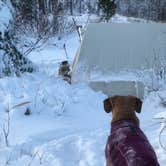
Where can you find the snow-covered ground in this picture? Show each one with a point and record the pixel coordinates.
(68, 126)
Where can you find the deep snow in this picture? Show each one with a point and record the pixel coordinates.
(68, 126)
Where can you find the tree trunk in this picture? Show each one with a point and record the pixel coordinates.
(41, 6)
(71, 6)
(80, 7)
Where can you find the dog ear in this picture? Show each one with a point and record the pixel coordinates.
(108, 105)
(138, 105)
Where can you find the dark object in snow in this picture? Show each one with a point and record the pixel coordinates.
(27, 112)
(163, 101)
(108, 7)
(67, 78)
(127, 145)
(64, 71)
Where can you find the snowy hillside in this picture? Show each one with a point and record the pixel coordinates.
(67, 125)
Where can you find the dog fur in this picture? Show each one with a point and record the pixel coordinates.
(123, 107)
(124, 120)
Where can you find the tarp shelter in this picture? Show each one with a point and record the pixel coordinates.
(112, 47)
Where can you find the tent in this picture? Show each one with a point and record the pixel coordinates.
(109, 48)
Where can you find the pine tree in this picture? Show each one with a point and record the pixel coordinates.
(108, 8)
(14, 63)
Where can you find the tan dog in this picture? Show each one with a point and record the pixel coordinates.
(123, 107)
(127, 145)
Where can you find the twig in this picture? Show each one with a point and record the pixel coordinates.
(64, 47)
(40, 37)
(40, 157)
(6, 125)
(77, 28)
(29, 50)
(6, 129)
(21, 104)
(33, 157)
(161, 132)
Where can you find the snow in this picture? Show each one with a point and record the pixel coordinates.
(5, 15)
(68, 126)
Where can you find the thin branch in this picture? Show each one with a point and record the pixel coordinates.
(77, 28)
(40, 38)
(160, 134)
(21, 104)
(6, 129)
(64, 47)
(29, 50)
(33, 157)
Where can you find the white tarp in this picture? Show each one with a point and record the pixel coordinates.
(111, 47)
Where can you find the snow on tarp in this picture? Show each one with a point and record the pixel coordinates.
(109, 48)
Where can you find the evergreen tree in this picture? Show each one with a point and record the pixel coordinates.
(14, 63)
(108, 8)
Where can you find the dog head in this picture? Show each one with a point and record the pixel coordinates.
(123, 107)
(125, 103)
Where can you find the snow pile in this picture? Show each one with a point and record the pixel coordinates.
(67, 126)
(46, 135)
(119, 19)
(152, 121)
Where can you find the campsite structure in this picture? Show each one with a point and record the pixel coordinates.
(108, 49)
